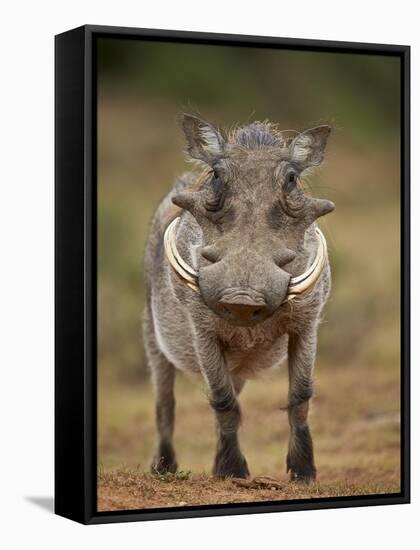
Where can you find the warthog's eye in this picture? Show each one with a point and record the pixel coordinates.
(215, 199)
(292, 199)
(290, 182)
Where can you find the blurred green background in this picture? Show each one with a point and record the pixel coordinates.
(142, 88)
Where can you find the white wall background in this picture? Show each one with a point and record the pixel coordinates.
(26, 259)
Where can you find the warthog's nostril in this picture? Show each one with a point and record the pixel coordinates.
(256, 314)
(226, 311)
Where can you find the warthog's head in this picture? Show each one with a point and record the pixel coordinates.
(253, 213)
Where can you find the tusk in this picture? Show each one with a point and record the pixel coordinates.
(187, 273)
(297, 285)
(307, 280)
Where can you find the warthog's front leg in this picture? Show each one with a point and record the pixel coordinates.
(229, 461)
(300, 456)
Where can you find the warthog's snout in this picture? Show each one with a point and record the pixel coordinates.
(243, 306)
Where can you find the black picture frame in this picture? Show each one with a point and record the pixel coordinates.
(76, 274)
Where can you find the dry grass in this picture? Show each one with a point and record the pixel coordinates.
(134, 490)
(356, 435)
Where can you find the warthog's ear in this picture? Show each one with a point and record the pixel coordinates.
(308, 148)
(204, 141)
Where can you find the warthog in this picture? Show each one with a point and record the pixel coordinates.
(237, 275)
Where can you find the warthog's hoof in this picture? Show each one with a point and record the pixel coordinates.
(303, 478)
(230, 466)
(164, 460)
(299, 471)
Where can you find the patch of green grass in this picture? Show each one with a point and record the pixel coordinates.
(169, 477)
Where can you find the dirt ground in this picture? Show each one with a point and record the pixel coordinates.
(356, 439)
(131, 489)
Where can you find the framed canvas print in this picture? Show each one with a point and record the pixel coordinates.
(232, 274)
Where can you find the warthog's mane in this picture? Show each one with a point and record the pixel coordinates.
(258, 135)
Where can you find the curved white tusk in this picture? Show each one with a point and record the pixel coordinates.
(187, 273)
(307, 280)
(297, 285)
